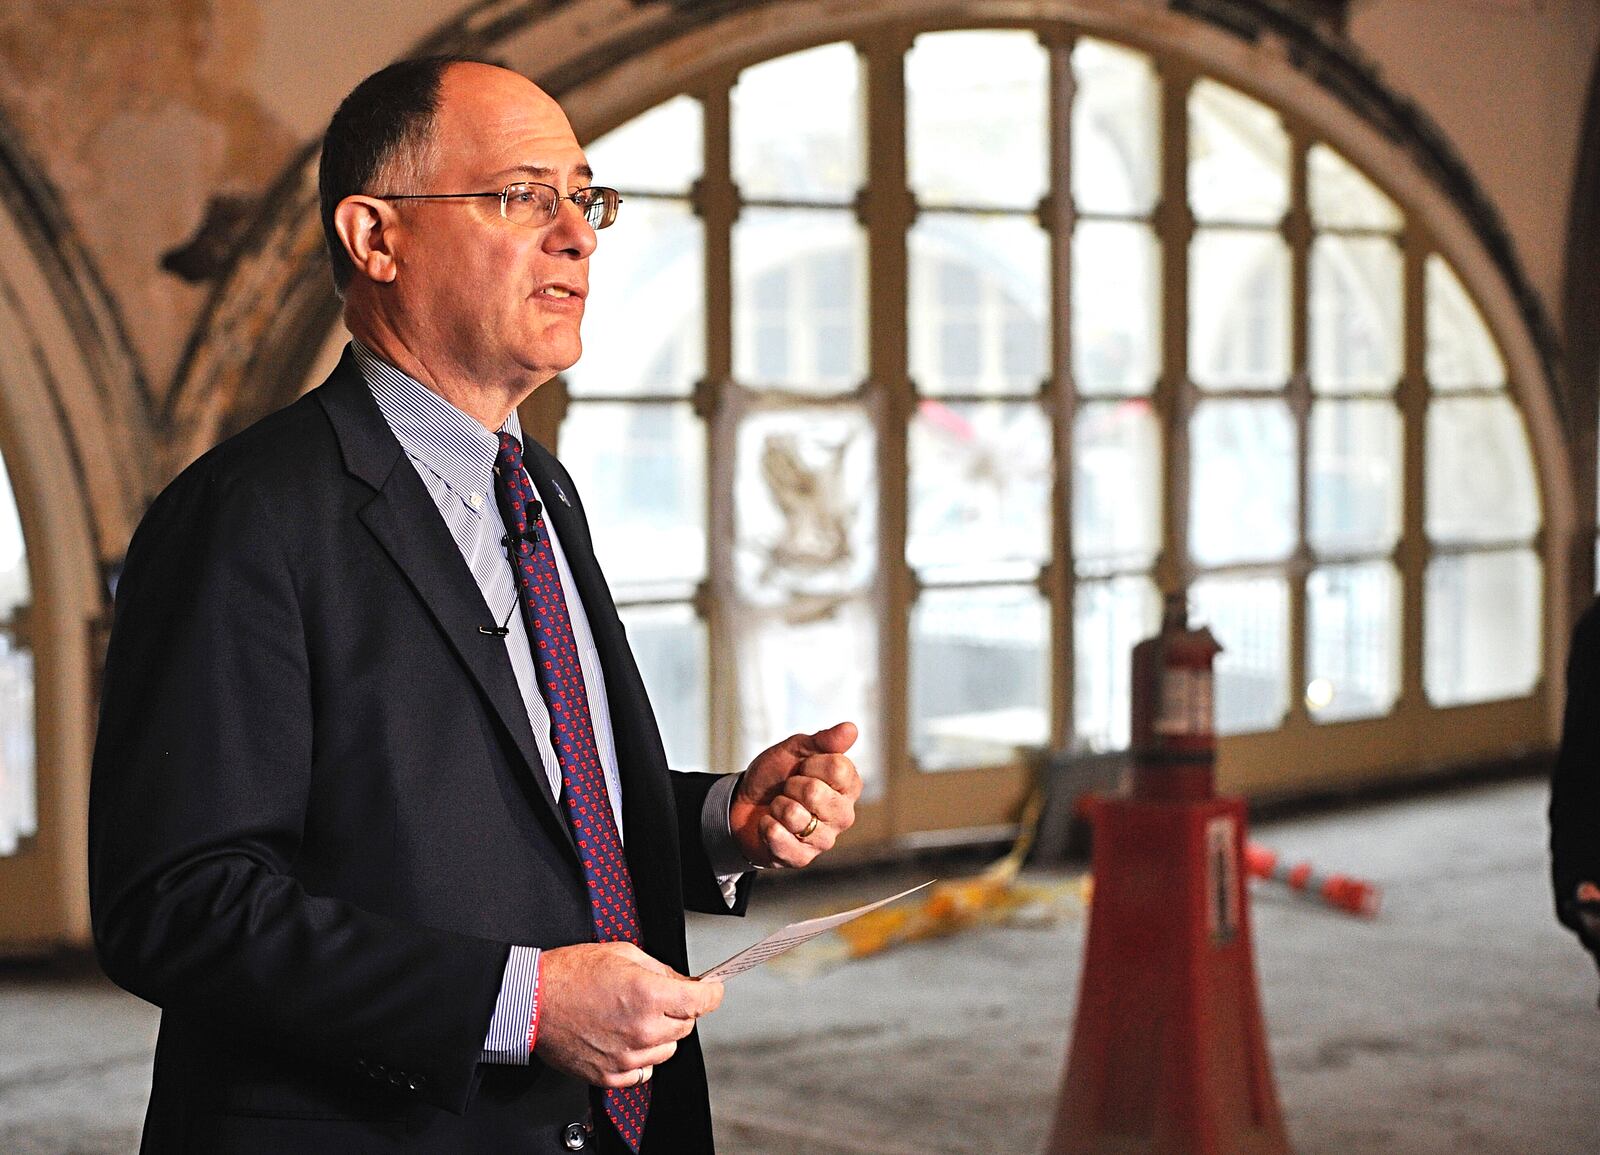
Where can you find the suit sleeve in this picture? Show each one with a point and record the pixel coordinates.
(1575, 784)
(203, 772)
(702, 892)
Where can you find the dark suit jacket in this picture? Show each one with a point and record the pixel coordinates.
(318, 819)
(1575, 785)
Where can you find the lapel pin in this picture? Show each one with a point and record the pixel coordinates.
(561, 493)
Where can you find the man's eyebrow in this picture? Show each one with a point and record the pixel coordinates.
(545, 172)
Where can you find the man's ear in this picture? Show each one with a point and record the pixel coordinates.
(366, 227)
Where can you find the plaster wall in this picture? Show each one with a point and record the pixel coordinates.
(1507, 81)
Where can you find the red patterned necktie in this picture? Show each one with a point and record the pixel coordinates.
(583, 783)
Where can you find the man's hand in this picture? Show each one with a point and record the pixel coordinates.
(610, 1014)
(796, 798)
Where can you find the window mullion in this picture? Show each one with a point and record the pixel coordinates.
(1060, 395)
(1412, 552)
(1175, 393)
(886, 212)
(717, 202)
(1297, 233)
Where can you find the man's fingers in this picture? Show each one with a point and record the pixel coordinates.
(648, 1057)
(786, 849)
(821, 798)
(837, 770)
(835, 739)
(793, 816)
(690, 1000)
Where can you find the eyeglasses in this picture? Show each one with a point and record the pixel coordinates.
(534, 205)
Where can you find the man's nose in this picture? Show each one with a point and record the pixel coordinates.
(571, 231)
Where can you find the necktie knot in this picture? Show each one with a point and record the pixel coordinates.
(510, 455)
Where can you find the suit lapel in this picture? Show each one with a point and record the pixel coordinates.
(406, 523)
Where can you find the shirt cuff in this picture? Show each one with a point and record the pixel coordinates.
(516, 1011)
(716, 835)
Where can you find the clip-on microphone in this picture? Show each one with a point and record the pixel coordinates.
(529, 535)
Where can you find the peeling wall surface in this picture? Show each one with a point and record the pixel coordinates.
(155, 118)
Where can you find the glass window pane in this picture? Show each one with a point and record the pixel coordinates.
(960, 88)
(1480, 472)
(19, 814)
(799, 300)
(1356, 321)
(805, 503)
(1461, 352)
(979, 491)
(669, 643)
(796, 126)
(1355, 464)
(1242, 493)
(979, 675)
(658, 151)
(644, 319)
(1238, 157)
(1116, 307)
(1109, 619)
(641, 470)
(1343, 198)
(1482, 625)
(1238, 310)
(1116, 130)
(1250, 617)
(1353, 645)
(1116, 486)
(808, 666)
(979, 295)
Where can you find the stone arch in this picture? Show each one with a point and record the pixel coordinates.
(75, 433)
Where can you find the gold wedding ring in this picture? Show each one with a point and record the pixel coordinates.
(810, 827)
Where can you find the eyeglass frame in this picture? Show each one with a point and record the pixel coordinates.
(504, 197)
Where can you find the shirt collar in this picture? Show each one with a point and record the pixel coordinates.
(449, 441)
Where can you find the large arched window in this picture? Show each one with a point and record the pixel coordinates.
(917, 367)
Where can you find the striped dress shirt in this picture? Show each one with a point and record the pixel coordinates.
(454, 455)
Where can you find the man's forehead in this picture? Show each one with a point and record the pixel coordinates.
(485, 109)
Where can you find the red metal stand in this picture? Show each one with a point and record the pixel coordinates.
(1169, 1054)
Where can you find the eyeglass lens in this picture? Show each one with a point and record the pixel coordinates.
(536, 204)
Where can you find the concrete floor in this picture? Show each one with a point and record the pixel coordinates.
(1462, 1020)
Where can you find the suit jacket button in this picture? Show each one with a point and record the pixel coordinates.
(575, 1137)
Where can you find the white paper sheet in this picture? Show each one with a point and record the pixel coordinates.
(792, 936)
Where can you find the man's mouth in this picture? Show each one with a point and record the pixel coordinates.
(556, 291)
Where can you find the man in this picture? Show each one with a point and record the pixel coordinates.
(1575, 790)
(380, 814)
